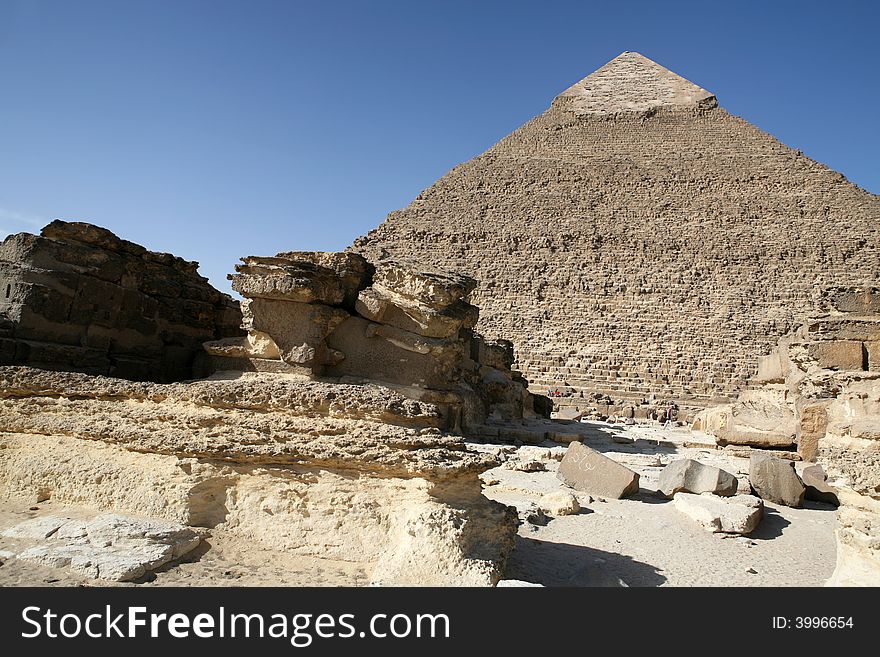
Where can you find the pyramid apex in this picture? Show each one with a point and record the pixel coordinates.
(632, 83)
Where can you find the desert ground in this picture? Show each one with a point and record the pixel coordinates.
(638, 541)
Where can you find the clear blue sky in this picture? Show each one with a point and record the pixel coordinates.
(215, 129)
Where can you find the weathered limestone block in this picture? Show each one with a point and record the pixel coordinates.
(585, 469)
(79, 298)
(689, 476)
(770, 368)
(859, 301)
(384, 353)
(843, 355)
(739, 514)
(775, 480)
(873, 353)
(761, 418)
(352, 270)
(382, 307)
(434, 289)
(811, 427)
(282, 279)
(298, 329)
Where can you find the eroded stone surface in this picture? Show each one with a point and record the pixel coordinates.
(77, 297)
(282, 461)
(739, 514)
(111, 546)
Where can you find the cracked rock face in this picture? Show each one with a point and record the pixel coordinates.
(111, 546)
(77, 297)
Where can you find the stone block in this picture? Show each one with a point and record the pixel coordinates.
(687, 475)
(298, 329)
(409, 315)
(585, 469)
(739, 514)
(775, 480)
(844, 355)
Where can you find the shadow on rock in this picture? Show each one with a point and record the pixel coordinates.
(771, 525)
(562, 564)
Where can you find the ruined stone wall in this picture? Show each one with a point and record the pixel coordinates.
(79, 298)
(641, 252)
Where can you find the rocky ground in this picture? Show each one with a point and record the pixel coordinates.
(640, 541)
(644, 540)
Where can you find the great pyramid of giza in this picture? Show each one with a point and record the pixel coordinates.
(636, 239)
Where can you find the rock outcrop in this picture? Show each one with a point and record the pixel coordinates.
(357, 473)
(636, 239)
(79, 298)
(336, 317)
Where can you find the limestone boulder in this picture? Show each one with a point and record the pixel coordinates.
(775, 480)
(687, 475)
(739, 514)
(283, 279)
(559, 503)
(817, 488)
(585, 469)
(383, 307)
(435, 289)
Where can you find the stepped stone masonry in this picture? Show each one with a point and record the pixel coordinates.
(77, 297)
(636, 239)
(334, 316)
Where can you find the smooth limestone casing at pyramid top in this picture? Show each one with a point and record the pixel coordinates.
(637, 239)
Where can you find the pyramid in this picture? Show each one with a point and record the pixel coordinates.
(638, 240)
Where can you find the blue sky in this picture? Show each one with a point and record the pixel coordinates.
(216, 129)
